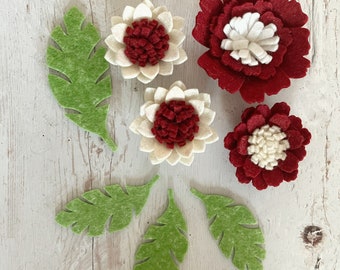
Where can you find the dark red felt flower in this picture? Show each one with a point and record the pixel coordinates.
(267, 145)
(255, 46)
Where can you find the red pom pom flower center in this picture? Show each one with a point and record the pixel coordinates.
(176, 122)
(267, 145)
(146, 42)
(249, 40)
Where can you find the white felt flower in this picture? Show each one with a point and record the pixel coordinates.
(174, 124)
(146, 41)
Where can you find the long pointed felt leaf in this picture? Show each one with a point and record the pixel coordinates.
(165, 244)
(236, 229)
(93, 210)
(77, 80)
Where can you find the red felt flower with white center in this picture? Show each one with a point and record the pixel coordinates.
(255, 46)
(174, 124)
(267, 145)
(146, 41)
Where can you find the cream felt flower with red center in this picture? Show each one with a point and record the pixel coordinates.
(146, 41)
(267, 145)
(254, 46)
(174, 124)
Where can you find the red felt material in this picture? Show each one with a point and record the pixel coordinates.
(253, 82)
(256, 117)
(146, 42)
(176, 122)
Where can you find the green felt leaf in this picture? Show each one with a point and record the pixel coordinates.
(236, 230)
(165, 244)
(92, 211)
(77, 78)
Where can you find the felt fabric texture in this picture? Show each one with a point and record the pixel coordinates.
(76, 77)
(221, 61)
(235, 229)
(146, 42)
(174, 124)
(239, 144)
(92, 211)
(162, 239)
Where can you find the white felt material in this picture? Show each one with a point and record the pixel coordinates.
(162, 152)
(178, 22)
(160, 94)
(149, 94)
(204, 132)
(171, 54)
(115, 20)
(174, 158)
(158, 10)
(186, 150)
(150, 112)
(142, 11)
(166, 68)
(128, 13)
(135, 124)
(212, 138)
(206, 98)
(144, 106)
(143, 78)
(110, 57)
(147, 145)
(153, 159)
(113, 44)
(198, 106)
(121, 59)
(199, 146)
(150, 71)
(179, 84)
(165, 19)
(149, 4)
(177, 37)
(175, 93)
(207, 116)
(118, 31)
(145, 129)
(182, 57)
(191, 93)
(130, 72)
(187, 161)
(246, 37)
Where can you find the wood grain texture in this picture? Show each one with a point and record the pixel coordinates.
(45, 160)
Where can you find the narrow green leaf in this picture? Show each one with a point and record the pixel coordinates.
(165, 244)
(77, 80)
(236, 229)
(93, 210)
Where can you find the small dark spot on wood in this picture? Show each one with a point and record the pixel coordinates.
(68, 139)
(317, 265)
(99, 151)
(28, 8)
(43, 135)
(135, 89)
(312, 235)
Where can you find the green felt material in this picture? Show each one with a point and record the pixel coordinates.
(92, 211)
(77, 79)
(165, 243)
(236, 230)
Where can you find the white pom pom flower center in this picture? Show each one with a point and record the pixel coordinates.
(267, 146)
(250, 40)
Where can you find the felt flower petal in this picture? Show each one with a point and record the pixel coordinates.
(135, 124)
(179, 84)
(150, 71)
(178, 23)
(142, 11)
(118, 31)
(166, 68)
(207, 116)
(143, 78)
(110, 57)
(145, 129)
(128, 13)
(174, 158)
(198, 105)
(175, 93)
(158, 10)
(187, 161)
(150, 112)
(177, 37)
(191, 94)
(147, 145)
(113, 44)
(166, 20)
(160, 94)
(242, 178)
(149, 94)
(121, 59)
(212, 138)
(182, 57)
(204, 132)
(130, 72)
(171, 54)
(162, 152)
(273, 178)
(199, 146)
(116, 20)
(186, 150)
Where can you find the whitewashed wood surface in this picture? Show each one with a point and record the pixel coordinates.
(45, 160)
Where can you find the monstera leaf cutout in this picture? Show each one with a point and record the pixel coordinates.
(77, 75)
(92, 211)
(236, 230)
(165, 242)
